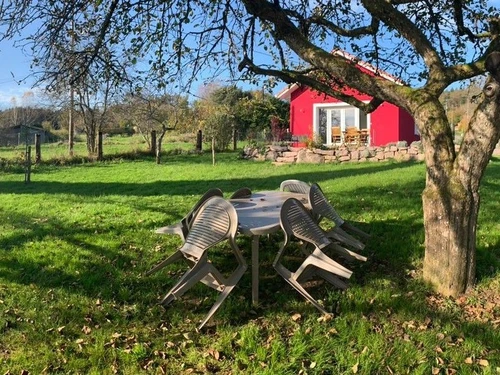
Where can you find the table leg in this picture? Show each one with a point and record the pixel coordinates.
(255, 270)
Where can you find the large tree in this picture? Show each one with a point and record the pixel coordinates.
(429, 44)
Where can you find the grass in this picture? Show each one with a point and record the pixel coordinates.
(75, 242)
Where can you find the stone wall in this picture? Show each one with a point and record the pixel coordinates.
(341, 154)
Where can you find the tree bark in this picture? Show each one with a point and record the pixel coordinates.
(451, 197)
(450, 219)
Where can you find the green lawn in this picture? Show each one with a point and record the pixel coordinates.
(75, 242)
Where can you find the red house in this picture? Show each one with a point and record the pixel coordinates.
(319, 115)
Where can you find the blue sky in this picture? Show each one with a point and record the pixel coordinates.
(15, 69)
(14, 66)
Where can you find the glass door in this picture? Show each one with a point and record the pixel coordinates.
(333, 122)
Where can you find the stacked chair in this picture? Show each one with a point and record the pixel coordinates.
(323, 209)
(296, 222)
(214, 221)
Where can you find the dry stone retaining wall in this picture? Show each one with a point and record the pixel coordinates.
(342, 154)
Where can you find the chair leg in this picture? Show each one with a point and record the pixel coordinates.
(230, 284)
(171, 259)
(340, 235)
(322, 261)
(191, 277)
(351, 228)
(290, 279)
(343, 251)
(332, 279)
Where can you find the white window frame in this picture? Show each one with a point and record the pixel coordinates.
(318, 106)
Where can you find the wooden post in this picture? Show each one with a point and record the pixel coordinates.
(153, 142)
(27, 173)
(213, 150)
(99, 146)
(235, 138)
(199, 138)
(38, 149)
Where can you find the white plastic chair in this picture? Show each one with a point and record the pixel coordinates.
(215, 221)
(182, 228)
(296, 222)
(295, 186)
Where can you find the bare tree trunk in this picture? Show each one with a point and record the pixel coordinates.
(450, 219)
(153, 142)
(91, 140)
(99, 147)
(451, 197)
(158, 147)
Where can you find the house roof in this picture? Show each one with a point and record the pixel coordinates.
(286, 92)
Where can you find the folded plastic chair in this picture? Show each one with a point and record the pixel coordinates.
(215, 221)
(241, 193)
(322, 208)
(337, 234)
(296, 222)
(182, 228)
(295, 186)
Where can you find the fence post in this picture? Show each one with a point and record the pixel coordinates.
(199, 138)
(27, 173)
(38, 149)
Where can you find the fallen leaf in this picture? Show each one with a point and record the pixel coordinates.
(483, 362)
(296, 317)
(214, 353)
(312, 365)
(86, 330)
(332, 331)
(325, 318)
(469, 360)
(355, 368)
(435, 370)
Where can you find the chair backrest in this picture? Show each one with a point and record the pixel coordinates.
(215, 221)
(241, 193)
(187, 220)
(321, 207)
(296, 221)
(336, 131)
(295, 186)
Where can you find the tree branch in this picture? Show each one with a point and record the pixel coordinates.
(322, 61)
(397, 20)
(308, 79)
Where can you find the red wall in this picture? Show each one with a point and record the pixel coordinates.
(388, 122)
